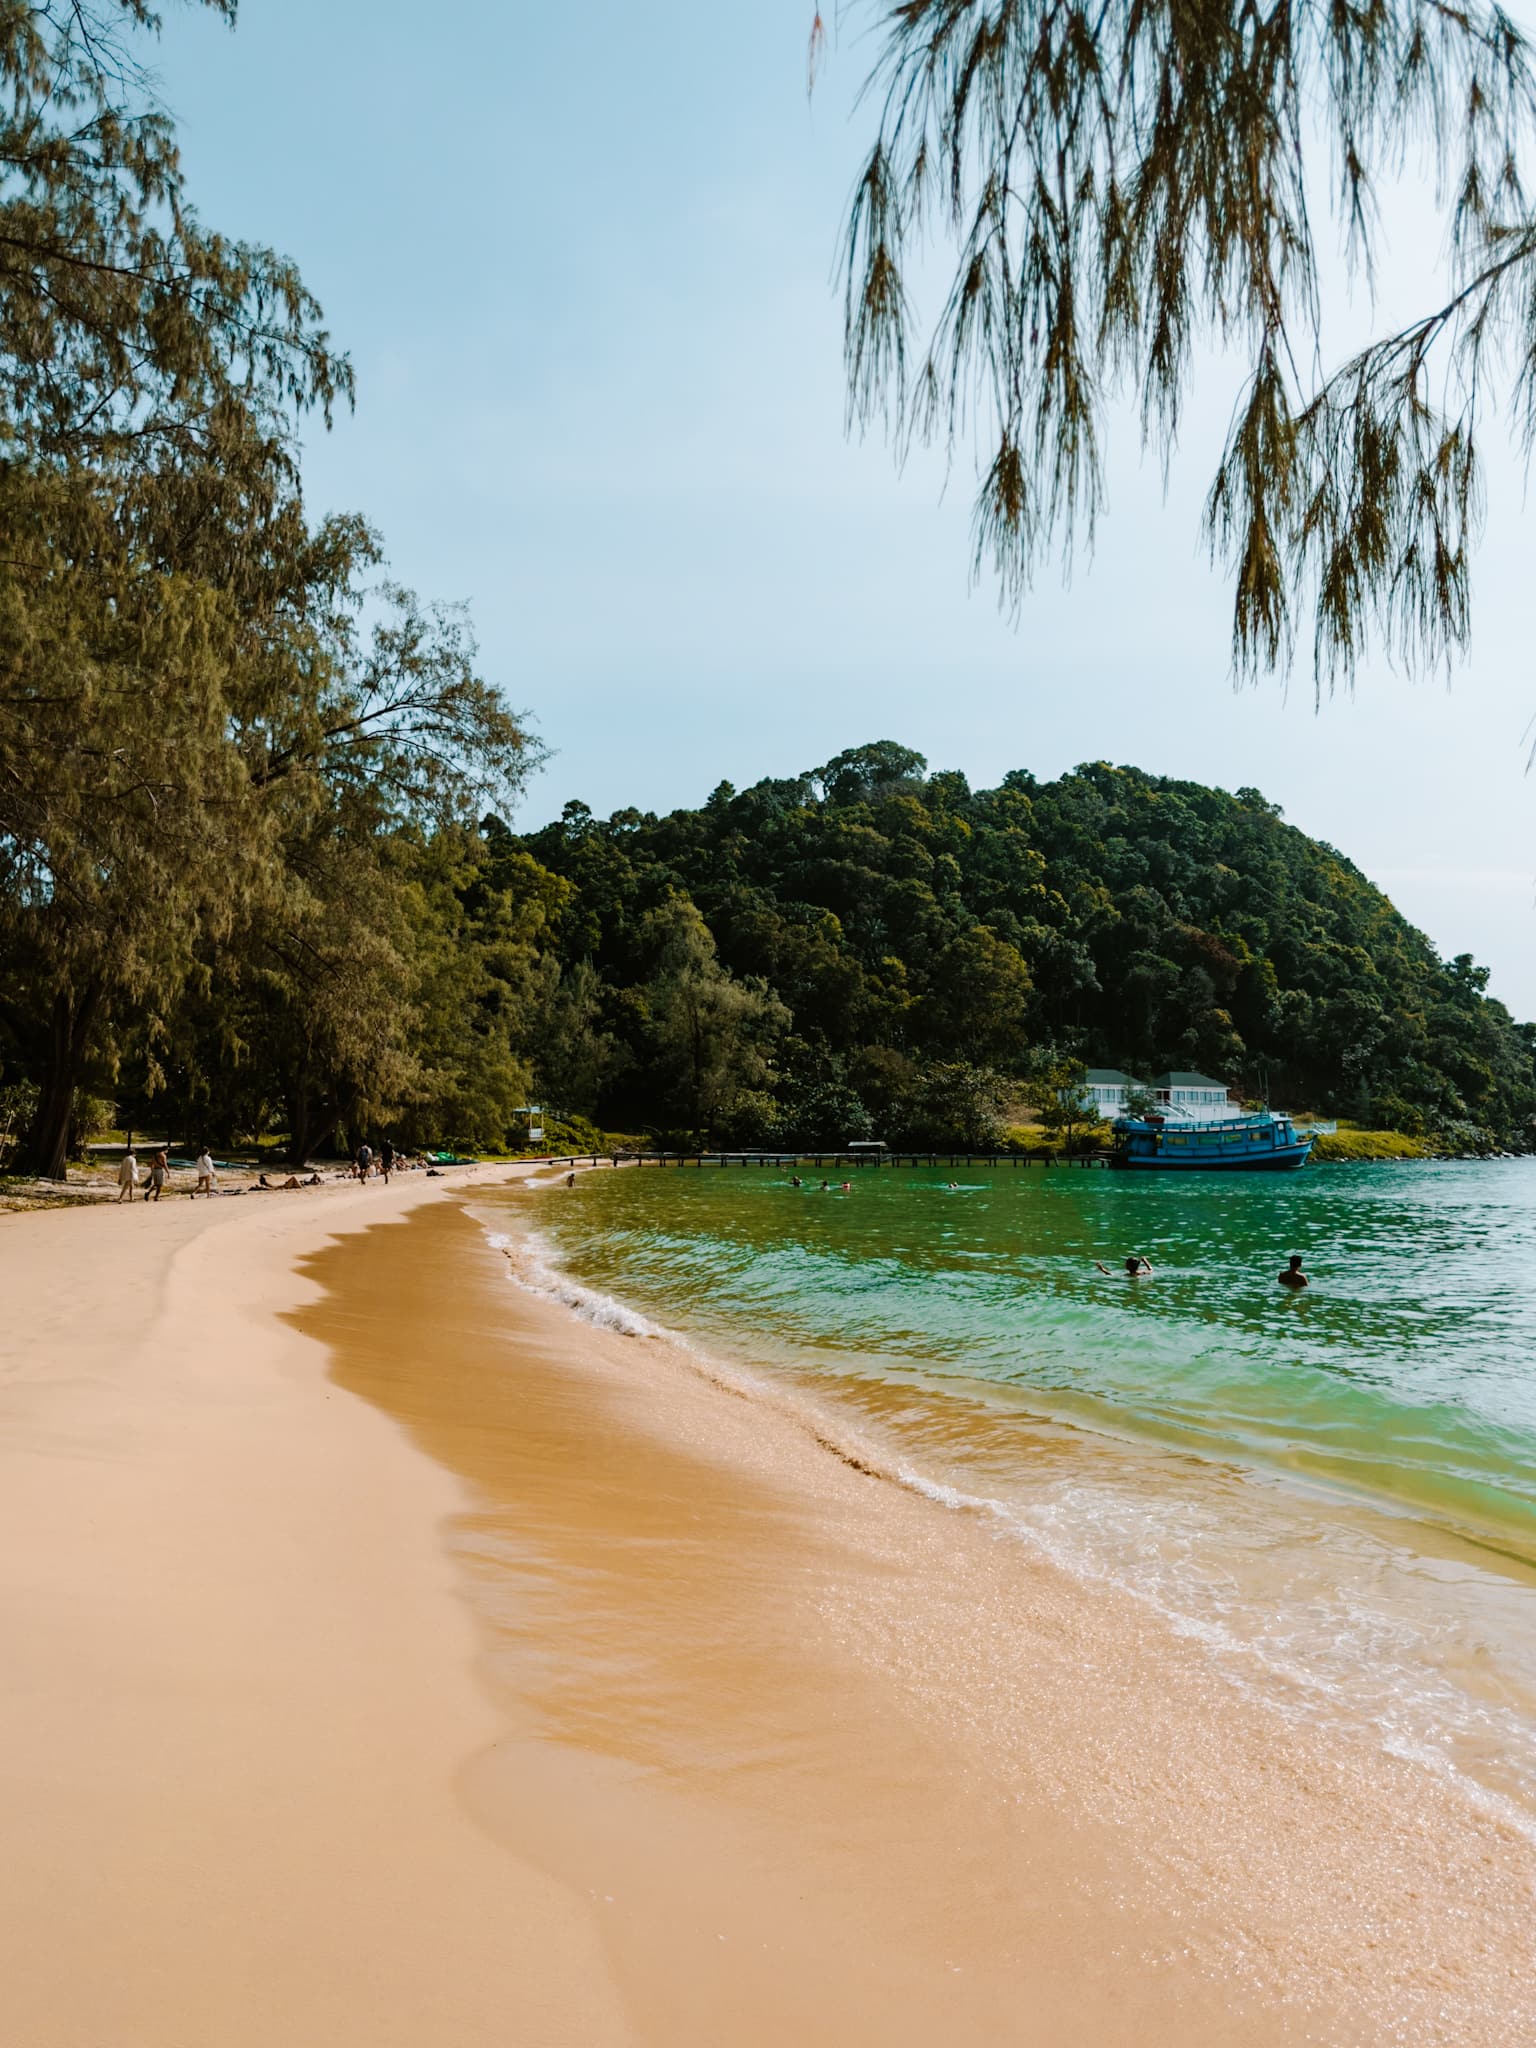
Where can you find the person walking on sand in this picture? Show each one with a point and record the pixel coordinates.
(157, 1172)
(127, 1177)
(1136, 1267)
(386, 1160)
(364, 1161)
(205, 1174)
(1293, 1276)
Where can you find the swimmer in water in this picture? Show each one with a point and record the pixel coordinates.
(1136, 1268)
(796, 1181)
(1293, 1276)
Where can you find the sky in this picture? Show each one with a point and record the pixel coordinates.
(583, 260)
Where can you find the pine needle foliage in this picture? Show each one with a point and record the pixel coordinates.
(122, 318)
(230, 754)
(1122, 184)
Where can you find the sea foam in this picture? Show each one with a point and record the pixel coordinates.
(1340, 1657)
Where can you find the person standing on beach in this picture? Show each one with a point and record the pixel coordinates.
(127, 1177)
(157, 1172)
(364, 1161)
(205, 1174)
(386, 1160)
(1293, 1276)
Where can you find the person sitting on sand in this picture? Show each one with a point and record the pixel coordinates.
(127, 1177)
(1136, 1267)
(1293, 1276)
(205, 1173)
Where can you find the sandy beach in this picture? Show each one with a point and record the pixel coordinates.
(238, 1685)
(394, 1657)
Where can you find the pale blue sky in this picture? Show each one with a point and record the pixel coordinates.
(582, 259)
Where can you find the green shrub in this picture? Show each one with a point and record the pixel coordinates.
(1351, 1144)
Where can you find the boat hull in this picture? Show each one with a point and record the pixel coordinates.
(1291, 1160)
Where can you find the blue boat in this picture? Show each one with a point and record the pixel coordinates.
(1266, 1143)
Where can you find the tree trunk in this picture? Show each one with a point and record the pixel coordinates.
(46, 1151)
(308, 1130)
(301, 1125)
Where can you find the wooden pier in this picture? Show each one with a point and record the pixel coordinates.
(822, 1162)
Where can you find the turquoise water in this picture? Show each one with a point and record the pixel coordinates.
(1406, 1372)
(1335, 1493)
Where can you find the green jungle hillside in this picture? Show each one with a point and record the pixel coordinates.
(871, 949)
(862, 950)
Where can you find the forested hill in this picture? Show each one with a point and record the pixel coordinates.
(870, 947)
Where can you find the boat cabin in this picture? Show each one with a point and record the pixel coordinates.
(1252, 1144)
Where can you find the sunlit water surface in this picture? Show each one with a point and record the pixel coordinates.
(1336, 1491)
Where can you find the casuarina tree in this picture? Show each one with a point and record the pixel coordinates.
(1118, 187)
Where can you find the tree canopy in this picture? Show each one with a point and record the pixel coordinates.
(935, 952)
(865, 950)
(1118, 187)
(233, 757)
(255, 878)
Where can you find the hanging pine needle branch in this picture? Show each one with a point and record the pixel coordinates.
(1123, 183)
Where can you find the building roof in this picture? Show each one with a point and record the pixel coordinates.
(1107, 1077)
(1188, 1081)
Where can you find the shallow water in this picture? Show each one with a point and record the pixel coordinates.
(1335, 1492)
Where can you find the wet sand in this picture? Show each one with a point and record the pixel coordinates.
(633, 1712)
(833, 1763)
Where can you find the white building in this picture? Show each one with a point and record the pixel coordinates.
(1182, 1098)
(1195, 1096)
(1105, 1088)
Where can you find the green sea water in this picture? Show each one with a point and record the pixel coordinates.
(1407, 1370)
(1336, 1490)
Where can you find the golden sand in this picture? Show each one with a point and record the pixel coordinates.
(633, 1713)
(838, 1764)
(238, 1689)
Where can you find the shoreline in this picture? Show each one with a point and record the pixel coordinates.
(783, 1843)
(625, 1714)
(240, 1683)
(1299, 1885)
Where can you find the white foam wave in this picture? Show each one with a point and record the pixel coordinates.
(1353, 1658)
(532, 1270)
(1345, 1654)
